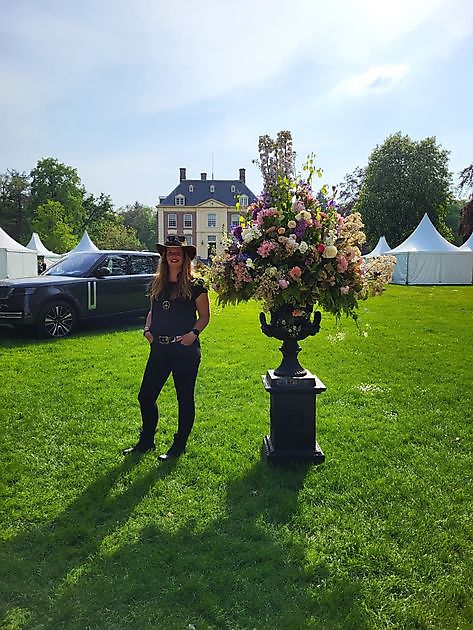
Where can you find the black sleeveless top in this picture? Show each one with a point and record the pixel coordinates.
(175, 316)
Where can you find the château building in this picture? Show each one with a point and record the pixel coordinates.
(203, 210)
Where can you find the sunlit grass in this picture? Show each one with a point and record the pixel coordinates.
(380, 536)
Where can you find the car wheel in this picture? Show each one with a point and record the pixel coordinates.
(56, 319)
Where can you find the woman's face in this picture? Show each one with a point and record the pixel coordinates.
(175, 257)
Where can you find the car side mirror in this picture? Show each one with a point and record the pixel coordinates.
(102, 271)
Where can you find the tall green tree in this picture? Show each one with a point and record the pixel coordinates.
(143, 220)
(348, 191)
(403, 180)
(53, 181)
(49, 222)
(466, 220)
(112, 234)
(15, 206)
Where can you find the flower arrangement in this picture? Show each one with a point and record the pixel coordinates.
(292, 248)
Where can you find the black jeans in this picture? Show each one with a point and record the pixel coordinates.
(183, 363)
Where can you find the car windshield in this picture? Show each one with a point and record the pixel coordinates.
(76, 265)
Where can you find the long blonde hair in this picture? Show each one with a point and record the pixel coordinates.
(161, 278)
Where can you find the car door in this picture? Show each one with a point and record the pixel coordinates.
(113, 285)
(142, 268)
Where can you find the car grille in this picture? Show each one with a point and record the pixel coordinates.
(4, 292)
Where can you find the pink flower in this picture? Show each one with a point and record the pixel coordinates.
(295, 273)
(265, 249)
(344, 290)
(342, 265)
(321, 248)
(283, 283)
(297, 312)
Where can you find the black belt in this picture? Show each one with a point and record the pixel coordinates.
(164, 339)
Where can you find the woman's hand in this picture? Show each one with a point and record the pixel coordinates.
(188, 339)
(149, 336)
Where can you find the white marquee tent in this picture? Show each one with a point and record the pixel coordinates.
(36, 244)
(425, 257)
(84, 245)
(381, 248)
(468, 244)
(16, 261)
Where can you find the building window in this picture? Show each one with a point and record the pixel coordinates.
(212, 188)
(188, 220)
(233, 188)
(212, 220)
(235, 220)
(243, 201)
(191, 187)
(179, 200)
(189, 239)
(172, 220)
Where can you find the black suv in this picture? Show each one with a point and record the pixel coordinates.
(83, 285)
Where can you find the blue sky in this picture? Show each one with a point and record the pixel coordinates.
(128, 92)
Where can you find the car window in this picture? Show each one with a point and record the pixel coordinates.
(116, 264)
(76, 265)
(143, 264)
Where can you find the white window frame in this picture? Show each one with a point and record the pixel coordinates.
(211, 239)
(189, 239)
(179, 200)
(172, 224)
(233, 188)
(191, 187)
(234, 220)
(187, 221)
(214, 221)
(243, 201)
(212, 188)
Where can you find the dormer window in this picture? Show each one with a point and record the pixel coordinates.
(191, 187)
(179, 200)
(212, 188)
(233, 188)
(243, 201)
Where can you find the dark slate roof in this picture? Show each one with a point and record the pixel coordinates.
(202, 192)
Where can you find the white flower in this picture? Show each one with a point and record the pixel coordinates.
(291, 224)
(330, 251)
(293, 236)
(250, 264)
(330, 239)
(273, 271)
(303, 247)
(250, 233)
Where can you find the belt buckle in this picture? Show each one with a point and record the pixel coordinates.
(163, 339)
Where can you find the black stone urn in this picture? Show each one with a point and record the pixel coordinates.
(291, 328)
(293, 390)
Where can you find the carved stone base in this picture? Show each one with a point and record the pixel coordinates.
(273, 455)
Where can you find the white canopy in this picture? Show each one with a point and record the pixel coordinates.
(381, 248)
(426, 257)
(468, 244)
(84, 245)
(36, 244)
(16, 261)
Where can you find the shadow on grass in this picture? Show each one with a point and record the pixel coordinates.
(236, 572)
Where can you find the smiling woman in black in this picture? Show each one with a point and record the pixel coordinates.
(178, 314)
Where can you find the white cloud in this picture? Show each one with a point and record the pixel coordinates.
(375, 80)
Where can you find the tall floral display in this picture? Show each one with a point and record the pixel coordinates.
(294, 252)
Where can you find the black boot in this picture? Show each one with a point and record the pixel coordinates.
(178, 447)
(143, 445)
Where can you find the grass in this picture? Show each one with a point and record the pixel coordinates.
(380, 536)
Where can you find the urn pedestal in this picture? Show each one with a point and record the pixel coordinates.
(293, 391)
(293, 415)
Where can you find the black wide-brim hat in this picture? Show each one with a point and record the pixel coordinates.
(175, 240)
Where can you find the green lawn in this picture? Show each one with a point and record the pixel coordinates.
(380, 536)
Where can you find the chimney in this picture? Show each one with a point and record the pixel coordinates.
(182, 174)
(203, 176)
(242, 175)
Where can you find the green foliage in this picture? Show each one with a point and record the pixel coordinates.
(112, 234)
(378, 537)
(403, 180)
(143, 220)
(50, 224)
(15, 206)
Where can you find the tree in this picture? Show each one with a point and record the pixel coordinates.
(53, 181)
(52, 228)
(112, 234)
(143, 220)
(466, 220)
(403, 180)
(15, 207)
(349, 190)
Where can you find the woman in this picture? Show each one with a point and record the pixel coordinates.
(172, 330)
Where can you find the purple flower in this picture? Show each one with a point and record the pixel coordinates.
(300, 228)
(237, 233)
